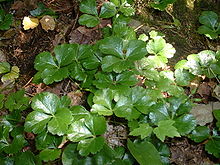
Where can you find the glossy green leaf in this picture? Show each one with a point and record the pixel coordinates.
(16, 145)
(48, 112)
(89, 7)
(216, 114)
(144, 130)
(108, 10)
(212, 147)
(91, 145)
(144, 152)
(127, 9)
(121, 56)
(183, 77)
(89, 20)
(17, 101)
(209, 18)
(200, 134)
(185, 124)
(4, 67)
(49, 154)
(103, 102)
(46, 140)
(158, 113)
(115, 81)
(158, 46)
(25, 158)
(79, 112)
(166, 128)
(208, 32)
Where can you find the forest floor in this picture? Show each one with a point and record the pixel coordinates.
(20, 47)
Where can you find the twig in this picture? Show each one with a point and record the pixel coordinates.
(28, 82)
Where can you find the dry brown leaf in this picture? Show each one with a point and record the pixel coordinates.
(76, 97)
(194, 84)
(48, 23)
(202, 113)
(204, 89)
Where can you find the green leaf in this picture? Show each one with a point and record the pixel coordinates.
(89, 20)
(121, 56)
(4, 67)
(216, 114)
(69, 157)
(145, 153)
(144, 130)
(86, 127)
(185, 124)
(200, 134)
(108, 10)
(16, 145)
(48, 112)
(17, 101)
(209, 18)
(89, 7)
(5, 20)
(2, 97)
(208, 32)
(50, 154)
(183, 77)
(103, 102)
(11, 76)
(127, 9)
(79, 112)
(213, 146)
(166, 128)
(42, 10)
(158, 46)
(161, 5)
(115, 81)
(91, 145)
(158, 113)
(46, 140)
(206, 57)
(25, 158)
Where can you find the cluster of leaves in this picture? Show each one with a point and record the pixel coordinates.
(161, 4)
(108, 10)
(212, 137)
(5, 20)
(205, 63)
(210, 24)
(9, 74)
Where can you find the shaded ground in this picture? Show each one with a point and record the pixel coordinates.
(20, 48)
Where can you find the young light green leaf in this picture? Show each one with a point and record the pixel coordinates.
(199, 134)
(161, 5)
(144, 152)
(183, 77)
(108, 10)
(144, 130)
(91, 145)
(88, 20)
(88, 7)
(166, 128)
(127, 9)
(11, 76)
(50, 154)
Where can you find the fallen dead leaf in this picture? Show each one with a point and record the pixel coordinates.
(30, 23)
(48, 23)
(76, 97)
(216, 92)
(194, 84)
(202, 113)
(204, 89)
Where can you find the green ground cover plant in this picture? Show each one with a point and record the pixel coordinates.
(154, 110)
